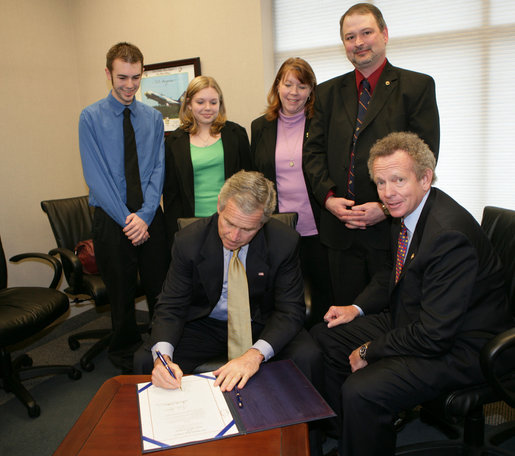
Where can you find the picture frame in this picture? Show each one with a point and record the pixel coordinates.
(163, 86)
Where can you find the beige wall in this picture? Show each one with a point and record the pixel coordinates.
(52, 66)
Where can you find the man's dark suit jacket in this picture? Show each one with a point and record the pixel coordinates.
(178, 190)
(262, 154)
(450, 293)
(402, 101)
(194, 282)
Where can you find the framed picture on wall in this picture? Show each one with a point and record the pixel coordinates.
(163, 86)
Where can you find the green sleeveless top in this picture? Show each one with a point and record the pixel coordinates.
(208, 176)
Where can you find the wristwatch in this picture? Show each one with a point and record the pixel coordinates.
(385, 209)
(363, 351)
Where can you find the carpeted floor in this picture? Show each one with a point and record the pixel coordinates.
(62, 400)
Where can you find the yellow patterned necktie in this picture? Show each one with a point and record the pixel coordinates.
(239, 332)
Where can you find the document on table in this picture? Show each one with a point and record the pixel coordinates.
(170, 418)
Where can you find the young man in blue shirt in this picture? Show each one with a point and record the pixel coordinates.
(128, 226)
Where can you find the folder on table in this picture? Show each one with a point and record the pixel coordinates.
(277, 395)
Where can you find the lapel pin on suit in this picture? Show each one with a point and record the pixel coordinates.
(412, 256)
(261, 274)
(387, 83)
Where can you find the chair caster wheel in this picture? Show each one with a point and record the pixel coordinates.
(74, 344)
(25, 360)
(87, 366)
(34, 411)
(75, 374)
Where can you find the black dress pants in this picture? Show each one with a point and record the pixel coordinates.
(352, 269)
(315, 270)
(368, 400)
(205, 339)
(120, 263)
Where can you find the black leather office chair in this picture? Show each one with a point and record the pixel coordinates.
(290, 218)
(71, 221)
(460, 413)
(25, 311)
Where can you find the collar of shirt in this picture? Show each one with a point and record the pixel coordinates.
(412, 219)
(118, 107)
(372, 79)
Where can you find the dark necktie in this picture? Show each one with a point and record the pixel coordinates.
(364, 99)
(402, 245)
(132, 179)
(239, 331)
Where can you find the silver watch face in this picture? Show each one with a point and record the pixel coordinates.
(363, 352)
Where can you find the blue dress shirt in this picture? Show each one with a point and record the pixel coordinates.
(102, 153)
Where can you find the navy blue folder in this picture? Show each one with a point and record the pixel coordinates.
(277, 395)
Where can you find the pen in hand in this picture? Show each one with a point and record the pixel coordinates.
(165, 364)
(238, 397)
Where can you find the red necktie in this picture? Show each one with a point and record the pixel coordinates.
(402, 245)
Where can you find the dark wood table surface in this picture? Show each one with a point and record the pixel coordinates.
(110, 426)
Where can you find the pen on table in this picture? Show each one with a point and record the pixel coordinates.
(238, 397)
(165, 364)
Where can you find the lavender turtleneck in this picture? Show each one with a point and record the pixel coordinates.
(291, 186)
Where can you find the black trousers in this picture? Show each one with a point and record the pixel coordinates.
(353, 268)
(205, 339)
(120, 263)
(368, 400)
(314, 263)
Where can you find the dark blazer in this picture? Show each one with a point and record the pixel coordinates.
(450, 291)
(194, 282)
(178, 191)
(262, 155)
(402, 101)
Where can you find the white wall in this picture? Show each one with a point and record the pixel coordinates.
(52, 66)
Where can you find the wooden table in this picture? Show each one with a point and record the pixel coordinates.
(110, 426)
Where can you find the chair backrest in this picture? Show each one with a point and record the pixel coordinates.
(290, 218)
(71, 220)
(3, 268)
(499, 226)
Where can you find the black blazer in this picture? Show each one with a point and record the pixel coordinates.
(450, 293)
(194, 282)
(262, 155)
(178, 191)
(402, 101)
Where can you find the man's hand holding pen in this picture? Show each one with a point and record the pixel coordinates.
(167, 375)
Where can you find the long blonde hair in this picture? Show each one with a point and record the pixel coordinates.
(188, 121)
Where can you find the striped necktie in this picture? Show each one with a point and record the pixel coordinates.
(402, 245)
(364, 99)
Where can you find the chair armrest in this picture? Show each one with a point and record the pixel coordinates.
(72, 266)
(56, 265)
(488, 357)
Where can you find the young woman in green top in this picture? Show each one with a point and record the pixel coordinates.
(205, 150)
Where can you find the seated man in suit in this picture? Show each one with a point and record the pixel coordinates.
(417, 328)
(193, 312)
